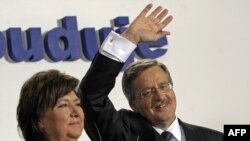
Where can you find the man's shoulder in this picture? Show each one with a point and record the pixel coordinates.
(128, 114)
(133, 118)
(202, 131)
(197, 127)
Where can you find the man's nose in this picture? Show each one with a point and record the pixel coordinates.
(158, 94)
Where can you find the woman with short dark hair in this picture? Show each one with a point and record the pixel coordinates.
(49, 108)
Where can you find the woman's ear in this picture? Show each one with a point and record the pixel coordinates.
(40, 124)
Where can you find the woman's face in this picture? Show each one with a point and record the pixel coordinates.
(65, 120)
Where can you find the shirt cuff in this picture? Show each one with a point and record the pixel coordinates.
(117, 47)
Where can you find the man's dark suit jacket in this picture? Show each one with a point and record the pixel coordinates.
(104, 123)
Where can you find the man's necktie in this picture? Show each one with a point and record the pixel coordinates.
(167, 135)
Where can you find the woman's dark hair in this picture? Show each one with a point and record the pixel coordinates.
(39, 93)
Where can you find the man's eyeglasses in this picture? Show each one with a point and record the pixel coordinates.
(147, 93)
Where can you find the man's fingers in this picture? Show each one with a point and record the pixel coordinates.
(161, 34)
(162, 15)
(146, 10)
(155, 12)
(165, 22)
(164, 33)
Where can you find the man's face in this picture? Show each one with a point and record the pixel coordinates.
(159, 108)
(65, 120)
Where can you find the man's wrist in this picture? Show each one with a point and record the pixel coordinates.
(117, 47)
(131, 36)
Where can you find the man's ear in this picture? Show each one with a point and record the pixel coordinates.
(133, 106)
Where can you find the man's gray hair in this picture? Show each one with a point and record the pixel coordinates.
(134, 70)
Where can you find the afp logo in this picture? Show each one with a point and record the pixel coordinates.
(236, 132)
